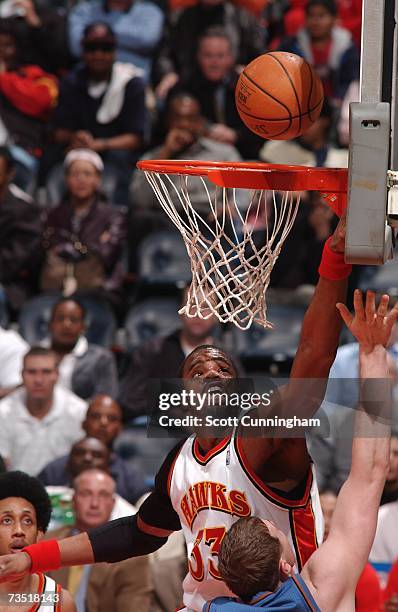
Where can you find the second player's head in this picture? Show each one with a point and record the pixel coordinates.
(25, 511)
(208, 362)
(255, 556)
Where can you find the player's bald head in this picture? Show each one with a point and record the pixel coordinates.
(205, 354)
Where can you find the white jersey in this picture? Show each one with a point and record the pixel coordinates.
(47, 598)
(210, 492)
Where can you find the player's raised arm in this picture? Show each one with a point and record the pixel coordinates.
(333, 571)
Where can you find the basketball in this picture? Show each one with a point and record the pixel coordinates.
(279, 96)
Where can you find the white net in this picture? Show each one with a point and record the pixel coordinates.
(232, 246)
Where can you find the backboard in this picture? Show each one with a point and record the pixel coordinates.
(373, 184)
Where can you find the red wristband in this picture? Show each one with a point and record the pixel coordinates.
(45, 556)
(333, 266)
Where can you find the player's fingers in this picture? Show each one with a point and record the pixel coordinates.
(370, 306)
(358, 304)
(345, 314)
(382, 310)
(393, 315)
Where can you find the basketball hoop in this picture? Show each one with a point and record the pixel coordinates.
(230, 269)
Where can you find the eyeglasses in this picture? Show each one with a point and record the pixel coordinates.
(105, 47)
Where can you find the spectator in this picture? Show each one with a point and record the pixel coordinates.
(102, 107)
(86, 369)
(137, 25)
(12, 350)
(20, 229)
(25, 511)
(177, 55)
(368, 592)
(213, 84)
(28, 96)
(328, 47)
(84, 236)
(162, 357)
(39, 421)
(101, 430)
(313, 148)
(120, 587)
(184, 140)
(40, 30)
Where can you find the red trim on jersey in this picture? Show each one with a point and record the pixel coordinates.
(151, 530)
(271, 495)
(304, 594)
(203, 459)
(304, 532)
(170, 475)
(40, 591)
(58, 590)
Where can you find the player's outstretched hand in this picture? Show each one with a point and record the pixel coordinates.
(370, 326)
(14, 566)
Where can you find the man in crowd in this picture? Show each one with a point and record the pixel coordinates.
(86, 369)
(137, 26)
(25, 511)
(213, 84)
(327, 47)
(92, 451)
(120, 587)
(39, 421)
(20, 232)
(208, 481)
(102, 107)
(256, 560)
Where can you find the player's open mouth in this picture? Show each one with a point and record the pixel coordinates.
(15, 548)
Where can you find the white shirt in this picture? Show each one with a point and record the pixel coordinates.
(68, 363)
(12, 350)
(29, 443)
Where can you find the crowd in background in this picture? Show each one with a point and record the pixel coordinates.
(86, 90)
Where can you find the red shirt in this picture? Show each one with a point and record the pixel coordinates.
(368, 595)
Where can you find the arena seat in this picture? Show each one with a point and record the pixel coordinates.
(163, 260)
(277, 345)
(35, 315)
(149, 318)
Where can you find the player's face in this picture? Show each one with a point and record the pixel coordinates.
(319, 22)
(103, 420)
(215, 58)
(39, 376)
(18, 525)
(93, 500)
(287, 551)
(82, 179)
(67, 324)
(208, 364)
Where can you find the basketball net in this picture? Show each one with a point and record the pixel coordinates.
(232, 253)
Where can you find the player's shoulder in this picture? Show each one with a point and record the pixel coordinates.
(68, 604)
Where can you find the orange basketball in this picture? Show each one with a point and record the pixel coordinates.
(279, 95)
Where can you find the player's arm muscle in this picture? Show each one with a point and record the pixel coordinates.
(333, 571)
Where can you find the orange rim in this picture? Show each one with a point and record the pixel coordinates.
(255, 175)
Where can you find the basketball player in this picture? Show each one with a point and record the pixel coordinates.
(206, 484)
(25, 511)
(256, 560)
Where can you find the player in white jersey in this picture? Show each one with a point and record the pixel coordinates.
(206, 483)
(25, 511)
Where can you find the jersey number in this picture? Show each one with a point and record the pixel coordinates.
(212, 537)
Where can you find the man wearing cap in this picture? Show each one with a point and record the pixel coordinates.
(137, 24)
(84, 236)
(102, 107)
